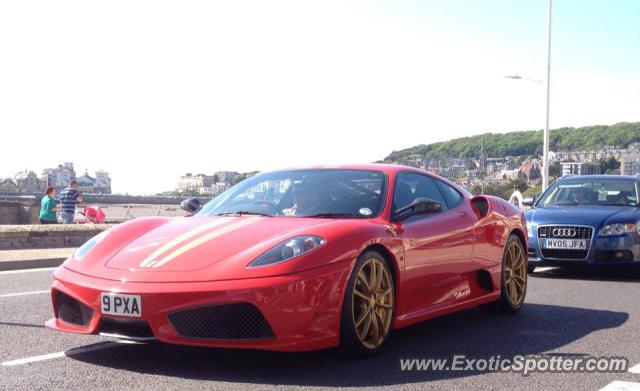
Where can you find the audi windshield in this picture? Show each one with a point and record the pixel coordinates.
(602, 192)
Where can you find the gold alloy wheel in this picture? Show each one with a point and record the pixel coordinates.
(515, 273)
(372, 302)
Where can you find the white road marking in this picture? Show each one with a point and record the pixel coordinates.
(544, 269)
(635, 369)
(25, 293)
(42, 269)
(66, 353)
(621, 386)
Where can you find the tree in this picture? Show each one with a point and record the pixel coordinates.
(520, 185)
(242, 176)
(555, 170)
(533, 191)
(526, 143)
(612, 163)
(608, 165)
(471, 165)
(520, 160)
(238, 178)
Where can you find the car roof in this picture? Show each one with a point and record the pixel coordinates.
(602, 176)
(386, 168)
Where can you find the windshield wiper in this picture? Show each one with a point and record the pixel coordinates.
(332, 214)
(243, 212)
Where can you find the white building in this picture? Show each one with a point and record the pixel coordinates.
(59, 177)
(509, 174)
(630, 164)
(226, 176)
(214, 189)
(27, 181)
(193, 183)
(102, 183)
(577, 168)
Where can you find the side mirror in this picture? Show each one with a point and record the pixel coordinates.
(529, 201)
(419, 206)
(191, 205)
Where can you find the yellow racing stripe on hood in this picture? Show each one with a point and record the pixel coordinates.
(205, 238)
(179, 239)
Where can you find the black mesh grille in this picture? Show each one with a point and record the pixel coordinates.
(133, 328)
(226, 321)
(72, 311)
(564, 254)
(565, 232)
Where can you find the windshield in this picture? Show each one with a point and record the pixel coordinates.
(333, 193)
(618, 192)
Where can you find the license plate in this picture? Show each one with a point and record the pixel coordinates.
(123, 305)
(566, 244)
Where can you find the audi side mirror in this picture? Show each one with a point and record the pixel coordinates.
(419, 206)
(528, 201)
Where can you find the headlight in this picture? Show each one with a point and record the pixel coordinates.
(619, 229)
(89, 244)
(287, 250)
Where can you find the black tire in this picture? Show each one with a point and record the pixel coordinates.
(504, 304)
(350, 343)
(531, 269)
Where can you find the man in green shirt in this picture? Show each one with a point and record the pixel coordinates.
(48, 207)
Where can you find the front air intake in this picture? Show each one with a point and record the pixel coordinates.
(72, 311)
(224, 321)
(136, 329)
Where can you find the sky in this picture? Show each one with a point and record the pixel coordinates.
(150, 90)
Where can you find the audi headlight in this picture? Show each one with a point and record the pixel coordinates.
(287, 250)
(619, 229)
(82, 251)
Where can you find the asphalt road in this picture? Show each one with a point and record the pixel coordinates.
(566, 313)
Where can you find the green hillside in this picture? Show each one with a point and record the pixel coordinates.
(526, 142)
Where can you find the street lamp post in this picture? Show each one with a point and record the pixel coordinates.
(545, 136)
(545, 156)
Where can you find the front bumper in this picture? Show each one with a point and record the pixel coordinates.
(616, 250)
(302, 310)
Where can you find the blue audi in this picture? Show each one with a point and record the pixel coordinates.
(585, 220)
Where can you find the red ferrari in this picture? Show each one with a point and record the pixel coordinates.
(297, 260)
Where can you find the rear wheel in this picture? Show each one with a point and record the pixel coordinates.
(368, 307)
(514, 279)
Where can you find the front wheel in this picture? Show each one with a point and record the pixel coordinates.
(514, 279)
(368, 306)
